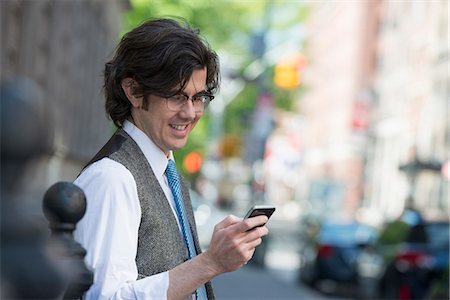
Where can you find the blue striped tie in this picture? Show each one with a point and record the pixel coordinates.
(175, 186)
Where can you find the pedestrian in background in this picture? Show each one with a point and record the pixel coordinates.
(139, 229)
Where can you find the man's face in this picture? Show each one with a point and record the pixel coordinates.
(169, 130)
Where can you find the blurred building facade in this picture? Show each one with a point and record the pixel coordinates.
(340, 42)
(410, 129)
(374, 124)
(62, 47)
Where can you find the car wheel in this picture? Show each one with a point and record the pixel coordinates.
(308, 276)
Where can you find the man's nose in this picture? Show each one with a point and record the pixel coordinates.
(188, 108)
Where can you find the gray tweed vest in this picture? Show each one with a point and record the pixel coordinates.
(160, 243)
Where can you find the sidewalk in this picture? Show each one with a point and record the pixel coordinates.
(252, 282)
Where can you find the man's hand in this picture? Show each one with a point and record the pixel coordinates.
(233, 242)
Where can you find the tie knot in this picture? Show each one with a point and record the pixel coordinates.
(171, 170)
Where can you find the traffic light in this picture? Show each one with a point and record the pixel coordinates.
(230, 146)
(288, 71)
(286, 76)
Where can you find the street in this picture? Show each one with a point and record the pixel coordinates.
(277, 279)
(252, 282)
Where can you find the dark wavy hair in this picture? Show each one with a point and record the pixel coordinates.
(160, 55)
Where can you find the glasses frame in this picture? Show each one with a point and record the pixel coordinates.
(170, 101)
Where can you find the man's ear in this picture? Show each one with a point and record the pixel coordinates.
(128, 86)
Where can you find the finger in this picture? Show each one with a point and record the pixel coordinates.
(253, 222)
(254, 243)
(249, 255)
(263, 231)
(228, 221)
(255, 234)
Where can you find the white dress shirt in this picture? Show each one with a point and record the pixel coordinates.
(109, 229)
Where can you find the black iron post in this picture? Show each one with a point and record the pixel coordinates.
(64, 205)
(28, 271)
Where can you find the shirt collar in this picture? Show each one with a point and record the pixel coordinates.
(154, 155)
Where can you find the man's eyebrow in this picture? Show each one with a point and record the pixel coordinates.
(196, 94)
(202, 92)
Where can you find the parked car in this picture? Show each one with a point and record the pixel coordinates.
(421, 259)
(330, 254)
(408, 269)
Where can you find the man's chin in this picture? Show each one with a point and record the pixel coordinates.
(178, 145)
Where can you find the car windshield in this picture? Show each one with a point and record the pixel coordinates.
(436, 235)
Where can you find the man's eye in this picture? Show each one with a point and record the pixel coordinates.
(179, 98)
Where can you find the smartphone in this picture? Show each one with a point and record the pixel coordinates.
(259, 210)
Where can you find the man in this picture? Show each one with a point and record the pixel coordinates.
(139, 230)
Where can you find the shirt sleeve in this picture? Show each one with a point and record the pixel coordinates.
(109, 233)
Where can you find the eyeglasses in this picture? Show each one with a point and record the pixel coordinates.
(200, 101)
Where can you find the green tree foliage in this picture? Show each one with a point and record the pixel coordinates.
(228, 26)
(225, 24)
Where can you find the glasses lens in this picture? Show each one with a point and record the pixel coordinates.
(206, 100)
(175, 103)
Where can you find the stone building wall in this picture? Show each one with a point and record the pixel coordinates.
(62, 46)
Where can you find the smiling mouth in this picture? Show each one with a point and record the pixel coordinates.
(178, 127)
